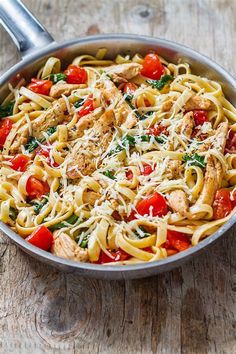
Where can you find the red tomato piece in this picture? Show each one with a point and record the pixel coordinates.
(36, 188)
(176, 241)
(114, 256)
(152, 67)
(5, 128)
(129, 175)
(87, 107)
(222, 204)
(148, 249)
(19, 162)
(231, 142)
(41, 238)
(158, 130)
(155, 205)
(171, 252)
(233, 200)
(76, 75)
(129, 88)
(45, 152)
(147, 169)
(41, 87)
(200, 117)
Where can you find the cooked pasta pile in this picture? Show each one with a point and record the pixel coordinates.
(121, 162)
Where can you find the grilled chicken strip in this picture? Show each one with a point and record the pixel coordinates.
(64, 89)
(53, 116)
(187, 125)
(84, 159)
(123, 72)
(218, 140)
(198, 102)
(21, 138)
(84, 123)
(63, 246)
(112, 97)
(178, 202)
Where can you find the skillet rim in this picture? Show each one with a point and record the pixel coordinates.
(96, 270)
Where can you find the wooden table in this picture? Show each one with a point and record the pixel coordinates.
(189, 310)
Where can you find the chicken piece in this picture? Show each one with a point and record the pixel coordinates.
(187, 125)
(123, 72)
(90, 197)
(178, 202)
(174, 168)
(212, 182)
(111, 96)
(21, 138)
(50, 118)
(221, 136)
(64, 89)
(84, 123)
(63, 246)
(86, 162)
(198, 102)
(218, 140)
(167, 105)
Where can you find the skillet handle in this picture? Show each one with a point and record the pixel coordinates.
(25, 30)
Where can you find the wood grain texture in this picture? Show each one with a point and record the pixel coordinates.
(189, 310)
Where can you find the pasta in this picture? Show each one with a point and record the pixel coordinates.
(117, 162)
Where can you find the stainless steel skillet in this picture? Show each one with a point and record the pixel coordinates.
(35, 45)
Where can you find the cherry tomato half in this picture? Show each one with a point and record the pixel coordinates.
(222, 205)
(76, 75)
(200, 117)
(153, 205)
(36, 188)
(129, 88)
(158, 130)
(231, 142)
(87, 107)
(152, 67)
(5, 128)
(40, 86)
(41, 238)
(19, 162)
(129, 175)
(45, 152)
(177, 241)
(114, 256)
(147, 169)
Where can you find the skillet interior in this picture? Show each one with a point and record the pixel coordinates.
(115, 44)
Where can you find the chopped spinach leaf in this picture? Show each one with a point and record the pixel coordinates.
(39, 204)
(84, 242)
(128, 140)
(109, 174)
(57, 77)
(7, 109)
(145, 138)
(161, 139)
(71, 220)
(33, 143)
(79, 103)
(159, 84)
(141, 233)
(13, 213)
(195, 160)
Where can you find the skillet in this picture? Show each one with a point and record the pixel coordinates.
(35, 45)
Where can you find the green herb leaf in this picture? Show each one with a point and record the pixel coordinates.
(13, 213)
(71, 220)
(39, 204)
(161, 139)
(84, 242)
(159, 84)
(57, 77)
(128, 140)
(141, 233)
(145, 138)
(33, 143)
(109, 174)
(195, 160)
(7, 109)
(79, 103)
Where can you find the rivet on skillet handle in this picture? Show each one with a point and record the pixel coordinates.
(27, 33)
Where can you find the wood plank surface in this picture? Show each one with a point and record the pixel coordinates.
(189, 310)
